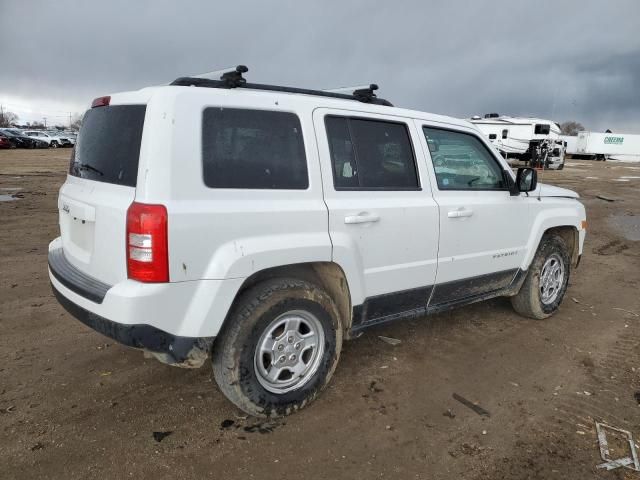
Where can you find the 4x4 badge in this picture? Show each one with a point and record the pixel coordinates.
(65, 208)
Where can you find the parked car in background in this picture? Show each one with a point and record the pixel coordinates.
(5, 142)
(21, 140)
(72, 136)
(52, 141)
(62, 137)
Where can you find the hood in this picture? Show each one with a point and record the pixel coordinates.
(545, 190)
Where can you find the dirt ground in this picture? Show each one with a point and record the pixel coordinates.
(75, 405)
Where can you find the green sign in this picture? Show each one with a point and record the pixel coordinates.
(613, 140)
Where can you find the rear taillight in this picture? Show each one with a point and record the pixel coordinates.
(147, 243)
(101, 102)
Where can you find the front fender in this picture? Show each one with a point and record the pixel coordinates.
(554, 213)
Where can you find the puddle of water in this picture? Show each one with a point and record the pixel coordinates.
(592, 178)
(621, 180)
(627, 225)
(14, 189)
(7, 198)
(629, 177)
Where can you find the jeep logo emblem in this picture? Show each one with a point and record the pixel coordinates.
(613, 140)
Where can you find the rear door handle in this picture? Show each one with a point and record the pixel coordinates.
(461, 212)
(362, 217)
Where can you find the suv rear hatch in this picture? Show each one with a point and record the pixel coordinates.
(101, 186)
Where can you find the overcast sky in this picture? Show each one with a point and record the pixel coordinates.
(563, 60)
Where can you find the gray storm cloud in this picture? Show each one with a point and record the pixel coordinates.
(557, 59)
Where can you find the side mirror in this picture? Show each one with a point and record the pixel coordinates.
(526, 179)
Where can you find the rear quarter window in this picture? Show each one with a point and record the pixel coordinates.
(253, 149)
(108, 146)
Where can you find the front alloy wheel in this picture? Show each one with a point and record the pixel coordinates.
(547, 280)
(551, 279)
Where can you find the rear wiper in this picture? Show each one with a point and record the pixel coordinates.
(86, 166)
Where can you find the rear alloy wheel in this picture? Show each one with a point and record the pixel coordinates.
(278, 348)
(54, 144)
(547, 280)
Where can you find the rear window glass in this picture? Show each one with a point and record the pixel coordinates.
(108, 146)
(255, 149)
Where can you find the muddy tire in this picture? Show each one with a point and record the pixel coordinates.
(547, 280)
(278, 348)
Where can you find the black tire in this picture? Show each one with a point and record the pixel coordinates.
(234, 353)
(528, 301)
(561, 167)
(53, 144)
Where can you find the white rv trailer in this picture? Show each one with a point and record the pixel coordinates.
(602, 145)
(519, 137)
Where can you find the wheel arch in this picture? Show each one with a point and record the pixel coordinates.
(571, 238)
(327, 275)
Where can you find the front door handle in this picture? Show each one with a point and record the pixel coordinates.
(461, 212)
(362, 217)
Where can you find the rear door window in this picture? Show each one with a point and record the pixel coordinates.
(253, 149)
(371, 154)
(108, 146)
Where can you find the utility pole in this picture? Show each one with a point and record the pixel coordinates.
(69, 119)
(45, 122)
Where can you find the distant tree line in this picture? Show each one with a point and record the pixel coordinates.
(10, 119)
(571, 128)
(7, 119)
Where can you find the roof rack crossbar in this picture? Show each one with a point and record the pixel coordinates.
(366, 95)
(234, 79)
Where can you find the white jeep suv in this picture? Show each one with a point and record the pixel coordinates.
(262, 225)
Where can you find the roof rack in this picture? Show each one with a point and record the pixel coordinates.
(234, 79)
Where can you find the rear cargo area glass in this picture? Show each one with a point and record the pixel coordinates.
(256, 149)
(108, 146)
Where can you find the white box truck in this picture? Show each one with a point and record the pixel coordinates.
(602, 145)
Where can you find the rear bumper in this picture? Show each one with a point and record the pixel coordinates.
(170, 349)
(167, 319)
